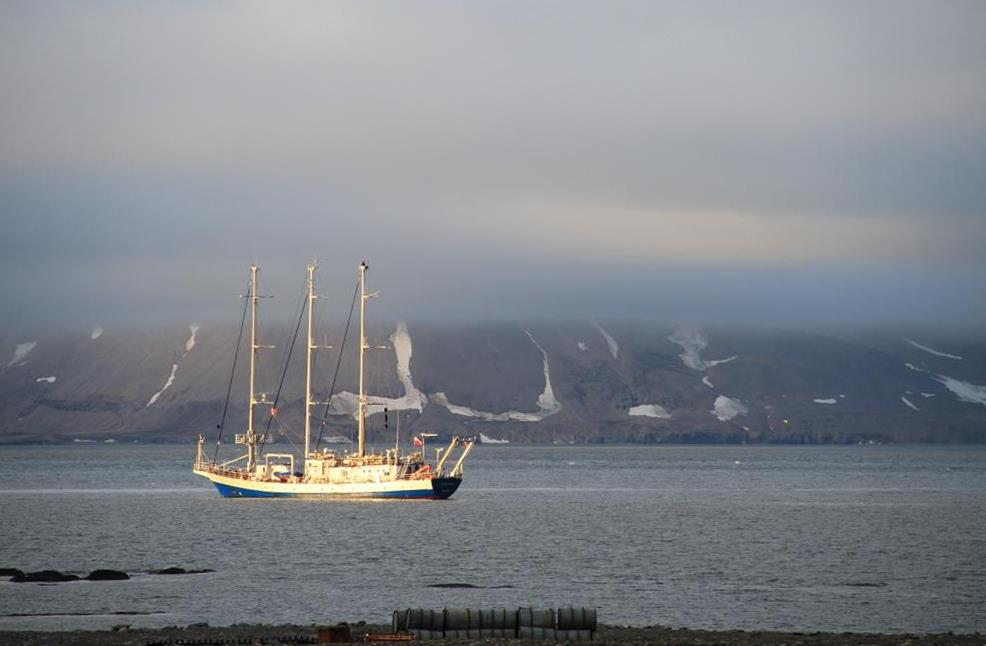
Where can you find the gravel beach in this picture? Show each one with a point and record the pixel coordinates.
(607, 635)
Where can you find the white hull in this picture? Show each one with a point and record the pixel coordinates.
(234, 487)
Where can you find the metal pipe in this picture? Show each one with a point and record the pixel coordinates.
(457, 469)
(448, 452)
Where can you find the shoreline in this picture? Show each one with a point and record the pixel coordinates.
(616, 635)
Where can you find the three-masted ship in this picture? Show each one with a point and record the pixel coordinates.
(328, 473)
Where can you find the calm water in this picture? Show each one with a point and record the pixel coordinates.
(804, 538)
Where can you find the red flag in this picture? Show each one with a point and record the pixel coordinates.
(418, 441)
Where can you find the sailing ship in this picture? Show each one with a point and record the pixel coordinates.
(328, 473)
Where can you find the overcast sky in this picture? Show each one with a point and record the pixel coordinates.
(776, 162)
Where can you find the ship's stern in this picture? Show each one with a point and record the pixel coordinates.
(445, 487)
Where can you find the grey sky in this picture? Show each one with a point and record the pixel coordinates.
(727, 161)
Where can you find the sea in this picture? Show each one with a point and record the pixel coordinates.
(806, 538)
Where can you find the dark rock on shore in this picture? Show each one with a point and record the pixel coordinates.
(44, 576)
(181, 570)
(107, 575)
(467, 586)
(10, 571)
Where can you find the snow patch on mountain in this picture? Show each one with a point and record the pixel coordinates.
(21, 352)
(190, 343)
(726, 408)
(547, 403)
(347, 403)
(650, 410)
(692, 341)
(546, 400)
(911, 366)
(825, 401)
(614, 347)
(403, 348)
(96, 333)
(49, 380)
(908, 402)
(167, 384)
(441, 399)
(932, 350)
(705, 380)
(716, 362)
(927, 394)
(582, 346)
(963, 390)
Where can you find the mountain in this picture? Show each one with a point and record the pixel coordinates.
(539, 382)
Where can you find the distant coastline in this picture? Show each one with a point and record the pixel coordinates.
(567, 382)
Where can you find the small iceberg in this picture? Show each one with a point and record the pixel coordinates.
(485, 439)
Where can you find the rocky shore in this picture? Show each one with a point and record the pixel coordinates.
(265, 634)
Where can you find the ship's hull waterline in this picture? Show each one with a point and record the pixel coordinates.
(425, 489)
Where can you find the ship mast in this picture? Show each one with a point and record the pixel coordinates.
(308, 361)
(361, 450)
(251, 438)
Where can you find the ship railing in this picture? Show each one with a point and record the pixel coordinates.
(220, 470)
